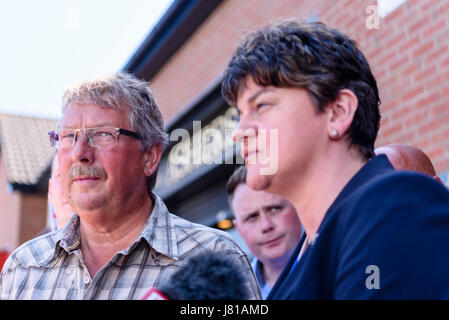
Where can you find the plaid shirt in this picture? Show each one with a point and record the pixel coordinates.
(52, 267)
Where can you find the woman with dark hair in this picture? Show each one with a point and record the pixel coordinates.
(370, 232)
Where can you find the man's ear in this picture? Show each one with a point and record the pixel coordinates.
(152, 158)
(341, 113)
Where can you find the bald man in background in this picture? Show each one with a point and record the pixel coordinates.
(60, 211)
(407, 157)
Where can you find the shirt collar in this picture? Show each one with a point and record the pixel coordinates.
(258, 271)
(69, 237)
(265, 288)
(66, 238)
(159, 232)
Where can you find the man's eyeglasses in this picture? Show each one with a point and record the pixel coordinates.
(95, 137)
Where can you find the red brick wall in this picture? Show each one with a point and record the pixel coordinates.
(409, 56)
(9, 212)
(33, 217)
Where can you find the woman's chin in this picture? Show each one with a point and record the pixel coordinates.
(255, 180)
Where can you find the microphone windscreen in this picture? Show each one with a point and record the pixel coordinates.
(207, 276)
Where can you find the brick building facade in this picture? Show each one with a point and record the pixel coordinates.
(25, 158)
(408, 55)
(185, 55)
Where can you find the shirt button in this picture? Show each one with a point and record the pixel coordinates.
(86, 279)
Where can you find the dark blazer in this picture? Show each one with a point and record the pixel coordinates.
(386, 236)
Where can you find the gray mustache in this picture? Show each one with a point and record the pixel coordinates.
(89, 171)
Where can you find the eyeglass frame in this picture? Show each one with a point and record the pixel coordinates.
(54, 135)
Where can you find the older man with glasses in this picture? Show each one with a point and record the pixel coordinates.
(123, 240)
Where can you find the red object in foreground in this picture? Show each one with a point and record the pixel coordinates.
(3, 256)
(154, 294)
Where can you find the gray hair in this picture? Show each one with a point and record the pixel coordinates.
(119, 91)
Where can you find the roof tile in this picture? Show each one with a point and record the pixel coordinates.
(25, 147)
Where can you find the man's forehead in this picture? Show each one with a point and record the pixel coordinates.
(93, 115)
(246, 199)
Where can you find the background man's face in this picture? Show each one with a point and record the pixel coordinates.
(267, 223)
(56, 197)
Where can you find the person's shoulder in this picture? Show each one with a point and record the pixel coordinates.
(217, 239)
(398, 224)
(404, 197)
(34, 252)
(400, 187)
(405, 186)
(406, 176)
(198, 229)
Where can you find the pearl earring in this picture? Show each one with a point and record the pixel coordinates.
(334, 133)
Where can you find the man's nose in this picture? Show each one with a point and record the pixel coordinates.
(81, 150)
(266, 223)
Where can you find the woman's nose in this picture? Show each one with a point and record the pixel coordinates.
(244, 130)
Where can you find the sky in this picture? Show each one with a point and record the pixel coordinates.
(49, 45)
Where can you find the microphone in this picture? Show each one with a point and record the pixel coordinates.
(205, 276)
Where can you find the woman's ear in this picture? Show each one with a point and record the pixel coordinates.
(341, 113)
(152, 158)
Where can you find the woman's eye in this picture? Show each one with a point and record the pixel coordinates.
(263, 104)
